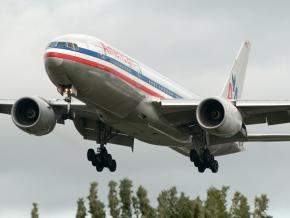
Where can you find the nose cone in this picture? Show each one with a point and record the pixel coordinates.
(54, 67)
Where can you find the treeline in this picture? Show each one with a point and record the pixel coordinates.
(123, 202)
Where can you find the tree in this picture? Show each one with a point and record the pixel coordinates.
(185, 207)
(126, 197)
(167, 203)
(136, 206)
(198, 209)
(261, 207)
(240, 207)
(216, 203)
(144, 204)
(81, 210)
(34, 211)
(96, 206)
(113, 199)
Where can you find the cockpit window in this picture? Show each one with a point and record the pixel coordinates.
(69, 45)
(52, 45)
(62, 45)
(76, 46)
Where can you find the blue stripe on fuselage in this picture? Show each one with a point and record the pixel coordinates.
(124, 67)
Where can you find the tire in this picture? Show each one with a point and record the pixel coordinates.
(109, 159)
(94, 162)
(207, 158)
(91, 154)
(201, 168)
(113, 166)
(193, 155)
(99, 167)
(106, 159)
(215, 166)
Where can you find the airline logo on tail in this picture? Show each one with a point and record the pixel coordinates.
(232, 88)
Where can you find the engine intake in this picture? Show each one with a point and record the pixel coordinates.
(33, 115)
(219, 117)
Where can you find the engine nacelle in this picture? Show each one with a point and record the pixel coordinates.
(219, 117)
(33, 115)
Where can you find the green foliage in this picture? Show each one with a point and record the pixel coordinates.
(34, 211)
(144, 204)
(261, 207)
(185, 206)
(198, 209)
(81, 210)
(216, 203)
(126, 197)
(167, 203)
(240, 207)
(113, 199)
(124, 204)
(96, 207)
(136, 206)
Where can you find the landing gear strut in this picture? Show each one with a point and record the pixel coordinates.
(204, 160)
(200, 154)
(102, 158)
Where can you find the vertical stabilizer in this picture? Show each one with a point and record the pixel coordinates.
(234, 85)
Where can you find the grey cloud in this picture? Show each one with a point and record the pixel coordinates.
(192, 42)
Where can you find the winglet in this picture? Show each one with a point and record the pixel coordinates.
(234, 85)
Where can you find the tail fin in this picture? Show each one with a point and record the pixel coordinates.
(234, 85)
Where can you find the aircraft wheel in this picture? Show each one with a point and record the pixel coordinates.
(193, 155)
(113, 166)
(99, 163)
(196, 163)
(201, 168)
(214, 166)
(91, 154)
(109, 159)
(99, 167)
(207, 157)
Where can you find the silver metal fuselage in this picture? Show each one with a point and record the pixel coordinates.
(117, 88)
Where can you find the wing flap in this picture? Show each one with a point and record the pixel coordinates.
(270, 112)
(268, 137)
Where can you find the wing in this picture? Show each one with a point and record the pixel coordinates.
(6, 105)
(182, 112)
(57, 104)
(270, 112)
(254, 112)
(84, 117)
(178, 111)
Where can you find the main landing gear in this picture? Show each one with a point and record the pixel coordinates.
(102, 158)
(204, 160)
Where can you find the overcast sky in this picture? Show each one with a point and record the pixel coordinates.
(191, 42)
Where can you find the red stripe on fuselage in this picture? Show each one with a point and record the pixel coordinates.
(104, 68)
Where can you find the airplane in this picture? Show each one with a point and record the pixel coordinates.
(113, 98)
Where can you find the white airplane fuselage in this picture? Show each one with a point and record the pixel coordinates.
(117, 87)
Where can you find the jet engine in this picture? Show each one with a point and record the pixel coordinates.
(219, 117)
(33, 115)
